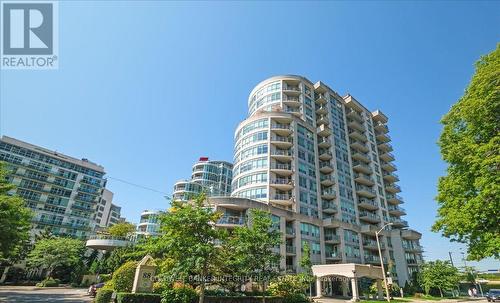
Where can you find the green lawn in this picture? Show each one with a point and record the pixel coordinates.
(393, 300)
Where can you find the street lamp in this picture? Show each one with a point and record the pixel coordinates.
(382, 261)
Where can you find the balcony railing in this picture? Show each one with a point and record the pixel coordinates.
(290, 249)
(369, 215)
(282, 197)
(290, 231)
(231, 220)
(280, 152)
(291, 88)
(368, 201)
(281, 166)
(281, 126)
(328, 205)
(332, 237)
(281, 181)
(281, 139)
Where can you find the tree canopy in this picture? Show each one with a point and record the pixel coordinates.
(56, 253)
(469, 194)
(439, 274)
(15, 220)
(121, 229)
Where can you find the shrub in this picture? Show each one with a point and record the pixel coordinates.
(105, 277)
(138, 298)
(183, 294)
(48, 283)
(296, 298)
(289, 285)
(123, 277)
(103, 296)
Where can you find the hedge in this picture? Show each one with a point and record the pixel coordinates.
(123, 297)
(243, 299)
(103, 296)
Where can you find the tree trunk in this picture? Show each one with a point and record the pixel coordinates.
(202, 285)
(264, 291)
(440, 292)
(4, 274)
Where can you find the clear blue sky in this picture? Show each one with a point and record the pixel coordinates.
(145, 88)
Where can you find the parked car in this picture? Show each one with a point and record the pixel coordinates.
(92, 291)
(493, 295)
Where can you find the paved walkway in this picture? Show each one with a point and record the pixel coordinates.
(30, 294)
(335, 300)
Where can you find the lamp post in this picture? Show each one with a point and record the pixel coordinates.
(382, 261)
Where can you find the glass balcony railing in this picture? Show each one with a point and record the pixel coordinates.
(231, 220)
(332, 237)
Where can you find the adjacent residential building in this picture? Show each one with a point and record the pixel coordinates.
(149, 224)
(322, 164)
(62, 191)
(211, 177)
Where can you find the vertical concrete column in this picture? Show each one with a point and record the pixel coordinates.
(283, 243)
(380, 291)
(298, 243)
(318, 288)
(354, 286)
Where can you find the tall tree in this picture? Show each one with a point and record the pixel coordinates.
(121, 229)
(255, 247)
(306, 265)
(56, 254)
(15, 220)
(469, 194)
(189, 239)
(439, 274)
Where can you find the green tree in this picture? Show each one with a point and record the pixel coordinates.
(15, 220)
(438, 274)
(56, 254)
(121, 229)
(469, 194)
(255, 245)
(189, 240)
(306, 265)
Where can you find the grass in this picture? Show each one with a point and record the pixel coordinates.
(393, 300)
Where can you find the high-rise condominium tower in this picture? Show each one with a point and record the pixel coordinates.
(212, 177)
(64, 192)
(322, 164)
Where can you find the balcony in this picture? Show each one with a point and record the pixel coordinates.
(326, 180)
(281, 129)
(328, 194)
(382, 137)
(394, 199)
(283, 184)
(324, 130)
(396, 210)
(355, 124)
(290, 268)
(390, 177)
(410, 234)
(369, 217)
(291, 90)
(282, 142)
(323, 119)
(331, 222)
(363, 179)
(281, 199)
(388, 166)
(380, 127)
(367, 204)
(357, 135)
(230, 221)
(354, 115)
(290, 232)
(321, 110)
(384, 147)
(290, 250)
(387, 157)
(333, 256)
(292, 110)
(282, 155)
(325, 154)
(329, 207)
(392, 188)
(369, 229)
(291, 100)
(361, 157)
(325, 167)
(361, 167)
(106, 242)
(359, 146)
(320, 99)
(398, 222)
(282, 169)
(332, 238)
(413, 248)
(372, 259)
(372, 245)
(324, 143)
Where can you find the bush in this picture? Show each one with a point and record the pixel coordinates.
(105, 277)
(183, 294)
(123, 277)
(48, 283)
(289, 286)
(137, 298)
(296, 298)
(103, 296)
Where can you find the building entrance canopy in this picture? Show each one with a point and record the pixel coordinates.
(352, 271)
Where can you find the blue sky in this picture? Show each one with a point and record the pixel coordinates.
(145, 88)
